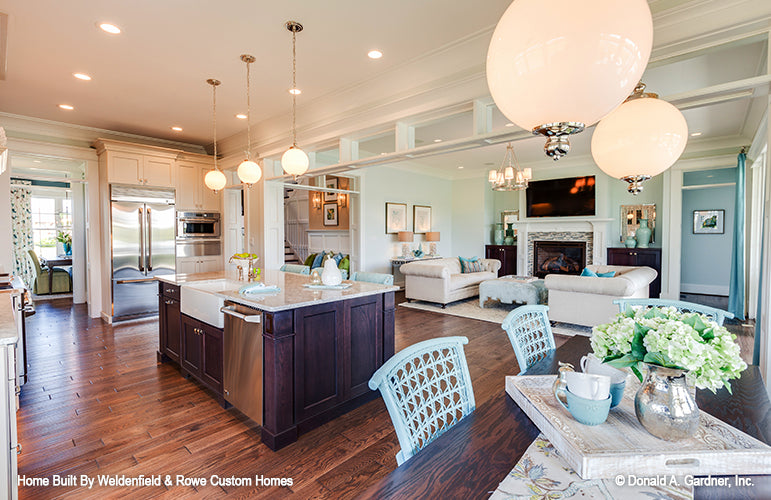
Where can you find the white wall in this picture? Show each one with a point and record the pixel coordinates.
(6, 250)
(391, 184)
(472, 202)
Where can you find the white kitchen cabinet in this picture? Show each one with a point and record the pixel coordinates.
(134, 164)
(194, 265)
(192, 193)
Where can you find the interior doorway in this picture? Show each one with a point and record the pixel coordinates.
(48, 199)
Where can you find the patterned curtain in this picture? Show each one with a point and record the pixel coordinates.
(21, 222)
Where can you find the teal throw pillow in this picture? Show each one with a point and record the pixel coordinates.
(319, 260)
(588, 272)
(466, 264)
(606, 275)
(338, 258)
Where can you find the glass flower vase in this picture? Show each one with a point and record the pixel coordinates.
(665, 406)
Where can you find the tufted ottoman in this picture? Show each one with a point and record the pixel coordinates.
(510, 289)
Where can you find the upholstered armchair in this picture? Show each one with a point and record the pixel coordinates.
(62, 281)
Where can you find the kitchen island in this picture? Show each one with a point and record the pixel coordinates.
(290, 359)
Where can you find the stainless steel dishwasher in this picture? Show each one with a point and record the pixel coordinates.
(242, 373)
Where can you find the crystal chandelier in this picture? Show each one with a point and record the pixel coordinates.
(214, 179)
(510, 176)
(249, 172)
(294, 161)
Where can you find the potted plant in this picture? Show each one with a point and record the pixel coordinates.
(65, 239)
(671, 344)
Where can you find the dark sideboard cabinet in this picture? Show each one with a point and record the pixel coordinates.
(507, 254)
(650, 257)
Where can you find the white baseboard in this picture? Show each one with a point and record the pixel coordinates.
(704, 289)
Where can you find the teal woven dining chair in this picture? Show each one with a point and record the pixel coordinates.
(426, 389)
(383, 279)
(295, 268)
(717, 315)
(530, 334)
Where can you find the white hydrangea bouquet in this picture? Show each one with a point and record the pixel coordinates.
(672, 339)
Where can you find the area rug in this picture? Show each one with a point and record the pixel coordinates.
(494, 312)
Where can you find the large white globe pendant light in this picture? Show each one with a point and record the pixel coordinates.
(248, 171)
(641, 138)
(214, 179)
(558, 67)
(294, 161)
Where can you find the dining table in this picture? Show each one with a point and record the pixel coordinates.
(51, 263)
(470, 459)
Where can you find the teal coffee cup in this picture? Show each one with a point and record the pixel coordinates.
(617, 393)
(586, 411)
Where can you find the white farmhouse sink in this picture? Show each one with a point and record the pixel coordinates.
(198, 300)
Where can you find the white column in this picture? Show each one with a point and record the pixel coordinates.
(671, 239)
(483, 116)
(405, 136)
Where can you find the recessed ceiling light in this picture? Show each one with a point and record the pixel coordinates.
(383, 154)
(241, 116)
(489, 163)
(67, 107)
(460, 167)
(36, 161)
(509, 124)
(295, 91)
(176, 129)
(82, 76)
(437, 140)
(109, 28)
(374, 54)
(696, 134)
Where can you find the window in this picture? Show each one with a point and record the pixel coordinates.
(51, 213)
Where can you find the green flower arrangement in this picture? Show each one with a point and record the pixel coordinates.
(64, 238)
(672, 339)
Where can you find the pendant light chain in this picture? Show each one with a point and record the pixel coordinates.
(248, 114)
(214, 120)
(294, 88)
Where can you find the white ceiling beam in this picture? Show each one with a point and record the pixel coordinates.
(724, 92)
(405, 136)
(483, 116)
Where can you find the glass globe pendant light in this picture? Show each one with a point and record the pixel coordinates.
(557, 67)
(641, 138)
(249, 172)
(214, 179)
(294, 161)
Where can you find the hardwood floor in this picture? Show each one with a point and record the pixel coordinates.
(97, 403)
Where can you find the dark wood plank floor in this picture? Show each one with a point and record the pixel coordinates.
(97, 403)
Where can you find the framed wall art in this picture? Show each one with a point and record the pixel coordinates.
(508, 216)
(396, 217)
(421, 219)
(331, 184)
(708, 221)
(330, 214)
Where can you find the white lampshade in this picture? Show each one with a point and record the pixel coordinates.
(508, 173)
(567, 61)
(642, 137)
(215, 180)
(249, 172)
(295, 161)
(492, 176)
(528, 173)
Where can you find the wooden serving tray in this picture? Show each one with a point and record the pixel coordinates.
(621, 445)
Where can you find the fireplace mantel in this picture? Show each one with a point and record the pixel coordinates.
(597, 226)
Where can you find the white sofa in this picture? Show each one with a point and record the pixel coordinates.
(588, 301)
(440, 280)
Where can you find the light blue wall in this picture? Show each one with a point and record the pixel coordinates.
(706, 258)
(653, 192)
(471, 217)
(390, 184)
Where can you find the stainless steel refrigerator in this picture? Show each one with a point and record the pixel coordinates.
(142, 248)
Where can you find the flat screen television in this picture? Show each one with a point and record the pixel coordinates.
(569, 197)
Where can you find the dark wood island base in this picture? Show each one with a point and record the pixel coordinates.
(317, 359)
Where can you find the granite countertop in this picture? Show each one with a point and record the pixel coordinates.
(8, 332)
(292, 294)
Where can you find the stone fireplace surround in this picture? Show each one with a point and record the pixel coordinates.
(593, 231)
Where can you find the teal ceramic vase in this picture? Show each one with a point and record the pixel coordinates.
(498, 235)
(643, 235)
(630, 242)
(67, 248)
(509, 240)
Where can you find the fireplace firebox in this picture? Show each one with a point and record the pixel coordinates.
(558, 257)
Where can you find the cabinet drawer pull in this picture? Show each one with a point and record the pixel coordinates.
(169, 302)
(252, 318)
